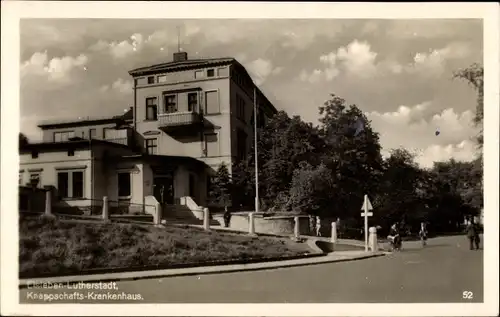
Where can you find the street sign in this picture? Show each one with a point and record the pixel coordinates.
(367, 205)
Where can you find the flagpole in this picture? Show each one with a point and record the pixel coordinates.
(255, 148)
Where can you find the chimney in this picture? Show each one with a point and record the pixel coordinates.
(180, 56)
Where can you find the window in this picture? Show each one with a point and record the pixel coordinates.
(34, 154)
(124, 185)
(261, 120)
(151, 146)
(78, 184)
(115, 134)
(241, 144)
(211, 145)
(170, 104)
(63, 136)
(212, 102)
(63, 184)
(70, 184)
(240, 108)
(108, 133)
(192, 101)
(198, 74)
(151, 80)
(151, 109)
(21, 178)
(222, 72)
(71, 152)
(162, 79)
(35, 179)
(93, 133)
(210, 73)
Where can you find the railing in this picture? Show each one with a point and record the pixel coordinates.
(124, 141)
(190, 203)
(178, 119)
(193, 206)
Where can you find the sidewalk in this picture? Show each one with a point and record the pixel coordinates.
(339, 256)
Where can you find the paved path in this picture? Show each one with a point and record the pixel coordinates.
(441, 272)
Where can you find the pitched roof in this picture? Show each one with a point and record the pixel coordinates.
(76, 144)
(180, 65)
(73, 122)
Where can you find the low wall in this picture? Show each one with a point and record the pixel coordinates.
(32, 199)
(283, 225)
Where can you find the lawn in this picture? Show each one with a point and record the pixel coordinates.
(49, 246)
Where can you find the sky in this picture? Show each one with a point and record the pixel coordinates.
(399, 72)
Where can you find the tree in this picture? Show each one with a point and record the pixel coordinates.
(243, 184)
(23, 139)
(474, 75)
(220, 189)
(311, 189)
(463, 179)
(355, 160)
(400, 188)
(282, 144)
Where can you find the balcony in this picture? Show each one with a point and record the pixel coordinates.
(178, 121)
(123, 141)
(119, 136)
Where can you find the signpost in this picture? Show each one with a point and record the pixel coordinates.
(366, 207)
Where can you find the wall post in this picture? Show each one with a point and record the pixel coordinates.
(373, 239)
(334, 232)
(105, 208)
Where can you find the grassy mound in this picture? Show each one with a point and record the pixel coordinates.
(49, 246)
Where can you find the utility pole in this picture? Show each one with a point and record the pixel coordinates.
(255, 147)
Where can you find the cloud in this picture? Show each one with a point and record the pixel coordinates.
(118, 50)
(120, 85)
(414, 128)
(58, 69)
(434, 62)
(358, 60)
(312, 77)
(463, 151)
(260, 69)
(355, 59)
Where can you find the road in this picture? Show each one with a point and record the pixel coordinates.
(440, 272)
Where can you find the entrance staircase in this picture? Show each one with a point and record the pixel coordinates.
(186, 212)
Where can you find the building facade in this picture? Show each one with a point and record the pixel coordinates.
(188, 117)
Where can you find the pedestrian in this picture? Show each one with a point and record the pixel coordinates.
(472, 234)
(339, 228)
(477, 239)
(312, 224)
(423, 233)
(227, 217)
(318, 226)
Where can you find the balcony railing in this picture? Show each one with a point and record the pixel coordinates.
(178, 119)
(124, 141)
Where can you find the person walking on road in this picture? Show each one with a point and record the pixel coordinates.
(477, 239)
(318, 226)
(227, 217)
(423, 234)
(472, 235)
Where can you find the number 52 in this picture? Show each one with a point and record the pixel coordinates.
(467, 295)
